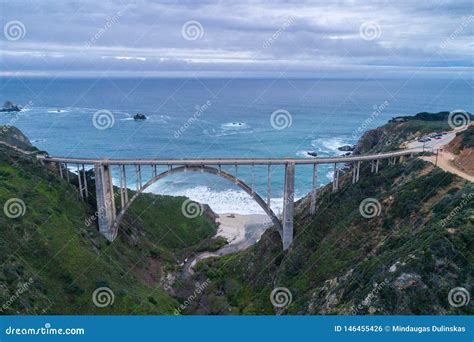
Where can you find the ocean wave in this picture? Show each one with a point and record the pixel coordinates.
(330, 145)
(73, 169)
(223, 130)
(234, 125)
(58, 111)
(222, 201)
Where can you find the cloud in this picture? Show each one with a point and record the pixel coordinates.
(301, 38)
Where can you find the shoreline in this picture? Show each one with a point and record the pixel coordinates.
(241, 231)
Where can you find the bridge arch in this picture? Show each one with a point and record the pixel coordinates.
(206, 169)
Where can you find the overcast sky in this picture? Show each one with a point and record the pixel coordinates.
(240, 38)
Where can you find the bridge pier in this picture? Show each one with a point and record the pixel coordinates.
(312, 208)
(358, 171)
(269, 188)
(67, 172)
(86, 191)
(105, 201)
(288, 205)
(354, 173)
(79, 182)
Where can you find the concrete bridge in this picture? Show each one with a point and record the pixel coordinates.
(109, 220)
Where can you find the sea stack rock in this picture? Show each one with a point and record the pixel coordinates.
(139, 117)
(346, 148)
(9, 106)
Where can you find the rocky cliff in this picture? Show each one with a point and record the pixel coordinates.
(397, 242)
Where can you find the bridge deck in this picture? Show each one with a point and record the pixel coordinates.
(231, 161)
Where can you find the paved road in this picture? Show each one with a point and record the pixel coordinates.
(435, 144)
(445, 158)
(17, 148)
(231, 161)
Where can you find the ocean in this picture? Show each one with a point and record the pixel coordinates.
(218, 118)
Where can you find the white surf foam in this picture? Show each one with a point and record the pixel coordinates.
(330, 145)
(234, 125)
(58, 111)
(224, 201)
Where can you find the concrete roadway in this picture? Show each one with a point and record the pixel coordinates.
(230, 161)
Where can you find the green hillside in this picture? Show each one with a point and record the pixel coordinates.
(55, 254)
(403, 261)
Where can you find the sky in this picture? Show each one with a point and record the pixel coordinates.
(238, 38)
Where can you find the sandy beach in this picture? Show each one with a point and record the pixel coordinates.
(241, 231)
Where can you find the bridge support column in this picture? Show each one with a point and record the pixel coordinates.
(377, 166)
(312, 208)
(358, 172)
(354, 173)
(105, 200)
(86, 190)
(67, 172)
(269, 183)
(79, 182)
(288, 205)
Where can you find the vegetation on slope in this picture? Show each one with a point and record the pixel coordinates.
(55, 255)
(404, 260)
